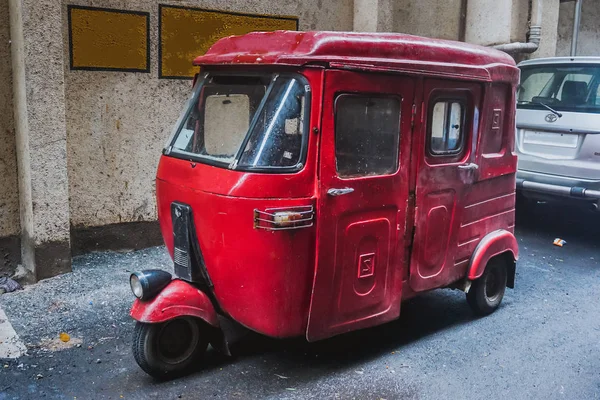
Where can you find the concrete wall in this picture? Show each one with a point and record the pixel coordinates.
(589, 33)
(550, 13)
(438, 19)
(117, 122)
(39, 108)
(9, 195)
(497, 22)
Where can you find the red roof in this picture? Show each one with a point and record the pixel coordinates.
(392, 50)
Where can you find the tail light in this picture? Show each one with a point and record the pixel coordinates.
(277, 219)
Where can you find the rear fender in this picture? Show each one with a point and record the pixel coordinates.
(494, 244)
(177, 299)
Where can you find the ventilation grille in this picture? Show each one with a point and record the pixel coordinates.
(181, 258)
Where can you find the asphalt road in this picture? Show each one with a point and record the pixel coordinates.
(543, 343)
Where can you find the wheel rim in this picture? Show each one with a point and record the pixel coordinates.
(177, 340)
(493, 284)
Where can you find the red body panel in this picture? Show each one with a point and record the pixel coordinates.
(308, 281)
(491, 245)
(457, 207)
(262, 279)
(178, 299)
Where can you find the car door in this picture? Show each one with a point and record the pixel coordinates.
(362, 197)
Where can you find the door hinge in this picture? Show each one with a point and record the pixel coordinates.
(411, 219)
(414, 114)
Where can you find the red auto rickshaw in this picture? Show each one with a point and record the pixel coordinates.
(316, 180)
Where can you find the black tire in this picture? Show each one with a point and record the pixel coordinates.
(169, 349)
(486, 292)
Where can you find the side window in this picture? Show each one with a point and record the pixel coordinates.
(367, 134)
(446, 127)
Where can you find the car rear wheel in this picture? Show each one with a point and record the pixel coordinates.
(171, 348)
(486, 292)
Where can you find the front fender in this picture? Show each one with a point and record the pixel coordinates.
(494, 243)
(177, 299)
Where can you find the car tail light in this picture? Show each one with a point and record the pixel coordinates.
(276, 219)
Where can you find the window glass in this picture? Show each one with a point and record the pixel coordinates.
(367, 134)
(276, 140)
(574, 85)
(245, 121)
(446, 127)
(220, 116)
(562, 87)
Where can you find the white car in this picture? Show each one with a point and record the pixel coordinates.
(558, 129)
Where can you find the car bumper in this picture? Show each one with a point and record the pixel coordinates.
(571, 192)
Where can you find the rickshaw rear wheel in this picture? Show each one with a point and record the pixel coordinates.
(169, 349)
(487, 291)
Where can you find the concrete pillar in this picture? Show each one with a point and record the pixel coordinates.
(432, 18)
(39, 109)
(10, 242)
(373, 15)
(489, 22)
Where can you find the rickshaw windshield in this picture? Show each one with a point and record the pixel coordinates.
(245, 122)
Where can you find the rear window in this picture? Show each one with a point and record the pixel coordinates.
(446, 131)
(562, 87)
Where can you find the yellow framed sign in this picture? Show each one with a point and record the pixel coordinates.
(104, 39)
(185, 33)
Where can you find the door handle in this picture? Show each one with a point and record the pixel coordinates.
(469, 167)
(339, 192)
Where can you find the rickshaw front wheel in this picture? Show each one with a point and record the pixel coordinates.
(169, 349)
(487, 291)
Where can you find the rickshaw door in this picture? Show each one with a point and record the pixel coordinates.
(447, 170)
(362, 200)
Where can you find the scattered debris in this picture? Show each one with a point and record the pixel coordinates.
(559, 242)
(39, 376)
(98, 361)
(281, 376)
(58, 343)
(8, 285)
(20, 273)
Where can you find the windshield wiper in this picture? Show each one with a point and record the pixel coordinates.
(559, 115)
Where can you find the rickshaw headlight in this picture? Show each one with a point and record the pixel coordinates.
(147, 284)
(136, 286)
